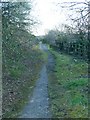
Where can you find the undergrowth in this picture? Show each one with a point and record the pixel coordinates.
(21, 67)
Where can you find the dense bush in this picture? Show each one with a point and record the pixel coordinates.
(77, 48)
(75, 44)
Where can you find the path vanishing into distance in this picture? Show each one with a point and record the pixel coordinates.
(38, 105)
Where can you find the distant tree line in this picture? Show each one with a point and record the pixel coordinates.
(74, 39)
(73, 43)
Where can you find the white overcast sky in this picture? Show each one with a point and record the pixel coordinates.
(49, 14)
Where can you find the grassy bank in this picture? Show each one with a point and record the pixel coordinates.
(19, 78)
(68, 87)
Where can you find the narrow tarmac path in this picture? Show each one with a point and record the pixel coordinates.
(38, 105)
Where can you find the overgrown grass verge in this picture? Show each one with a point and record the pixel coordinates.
(68, 87)
(19, 79)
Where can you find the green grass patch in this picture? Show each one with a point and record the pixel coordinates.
(72, 84)
(69, 90)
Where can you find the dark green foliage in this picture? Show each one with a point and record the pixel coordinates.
(73, 44)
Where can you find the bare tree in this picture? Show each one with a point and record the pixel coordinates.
(79, 14)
